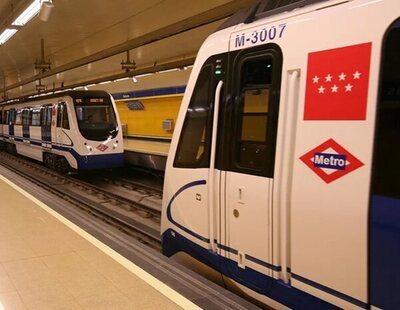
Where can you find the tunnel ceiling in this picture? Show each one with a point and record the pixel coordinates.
(78, 29)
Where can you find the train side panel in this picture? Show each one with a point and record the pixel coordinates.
(300, 233)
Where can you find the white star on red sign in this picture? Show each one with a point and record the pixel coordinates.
(328, 78)
(348, 87)
(342, 76)
(356, 75)
(338, 87)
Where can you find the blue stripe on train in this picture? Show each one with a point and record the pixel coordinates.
(94, 161)
(173, 242)
(385, 252)
(84, 162)
(248, 277)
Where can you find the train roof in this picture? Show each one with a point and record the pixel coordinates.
(263, 9)
(71, 93)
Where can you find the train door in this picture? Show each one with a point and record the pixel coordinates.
(26, 120)
(10, 122)
(385, 190)
(189, 174)
(45, 120)
(62, 123)
(248, 152)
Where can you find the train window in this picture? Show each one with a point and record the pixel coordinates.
(59, 115)
(10, 117)
(26, 117)
(49, 111)
(192, 151)
(46, 116)
(255, 120)
(62, 116)
(96, 121)
(42, 116)
(65, 123)
(13, 114)
(18, 117)
(35, 117)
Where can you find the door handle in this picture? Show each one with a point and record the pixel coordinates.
(241, 195)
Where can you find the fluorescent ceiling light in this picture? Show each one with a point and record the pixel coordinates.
(27, 15)
(169, 70)
(6, 34)
(122, 79)
(145, 74)
(105, 82)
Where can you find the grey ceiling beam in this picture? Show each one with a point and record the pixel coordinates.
(187, 24)
(152, 69)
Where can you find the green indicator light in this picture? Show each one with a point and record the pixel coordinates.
(218, 72)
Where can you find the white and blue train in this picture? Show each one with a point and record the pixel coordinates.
(284, 169)
(73, 130)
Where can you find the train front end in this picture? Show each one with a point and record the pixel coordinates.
(99, 140)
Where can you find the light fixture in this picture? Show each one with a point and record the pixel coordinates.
(105, 82)
(7, 34)
(121, 79)
(28, 14)
(134, 79)
(45, 10)
(144, 74)
(169, 70)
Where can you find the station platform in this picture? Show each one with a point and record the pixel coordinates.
(54, 257)
(147, 153)
(47, 262)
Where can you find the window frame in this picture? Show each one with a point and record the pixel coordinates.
(62, 116)
(36, 110)
(228, 156)
(204, 159)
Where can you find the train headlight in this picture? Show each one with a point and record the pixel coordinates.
(115, 146)
(89, 148)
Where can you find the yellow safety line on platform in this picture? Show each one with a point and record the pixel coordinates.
(142, 274)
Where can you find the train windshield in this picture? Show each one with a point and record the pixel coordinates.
(96, 118)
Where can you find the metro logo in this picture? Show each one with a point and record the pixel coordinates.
(102, 147)
(337, 83)
(330, 161)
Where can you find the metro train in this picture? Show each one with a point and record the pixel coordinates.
(283, 174)
(68, 131)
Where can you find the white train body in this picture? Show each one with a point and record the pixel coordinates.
(78, 128)
(290, 187)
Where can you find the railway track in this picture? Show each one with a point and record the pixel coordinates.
(135, 215)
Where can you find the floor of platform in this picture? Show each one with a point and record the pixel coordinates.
(47, 262)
